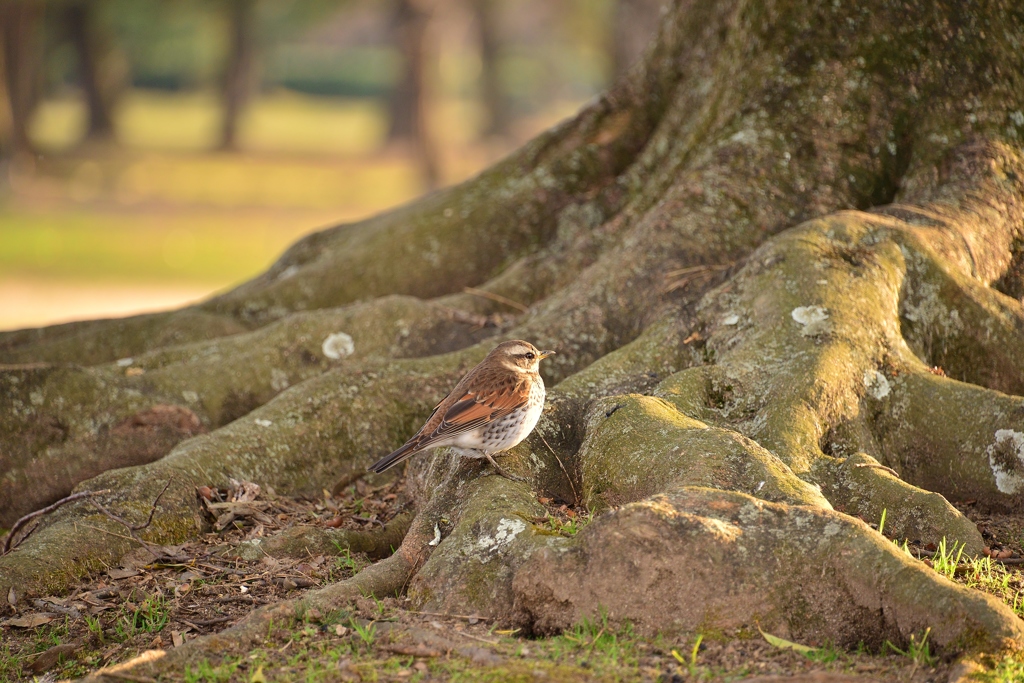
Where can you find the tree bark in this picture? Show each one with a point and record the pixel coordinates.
(79, 20)
(239, 68)
(751, 257)
(20, 23)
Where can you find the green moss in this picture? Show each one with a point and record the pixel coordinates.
(639, 445)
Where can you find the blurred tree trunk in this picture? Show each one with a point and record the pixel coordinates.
(5, 109)
(19, 23)
(80, 22)
(634, 23)
(495, 106)
(407, 106)
(239, 72)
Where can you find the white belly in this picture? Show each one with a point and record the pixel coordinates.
(508, 431)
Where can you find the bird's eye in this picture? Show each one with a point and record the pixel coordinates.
(530, 356)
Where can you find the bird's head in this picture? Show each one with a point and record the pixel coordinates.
(519, 355)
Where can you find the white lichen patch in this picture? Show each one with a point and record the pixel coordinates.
(877, 384)
(506, 532)
(279, 379)
(1006, 458)
(263, 423)
(125, 362)
(809, 315)
(731, 319)
(338, 345)
(831, 529)
(190, 396)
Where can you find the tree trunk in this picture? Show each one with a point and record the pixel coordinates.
(79, 20)
(239, 69)
(20, 23)
(407, 107)
(752, 257)
(491, 94)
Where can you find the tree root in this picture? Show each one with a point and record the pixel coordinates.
(637, 446)
(953, 438)
(711, 557)
(304, 541)
(857, 487)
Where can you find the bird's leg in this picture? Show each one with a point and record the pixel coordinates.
(502, 471)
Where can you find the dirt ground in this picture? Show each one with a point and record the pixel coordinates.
(160, 597)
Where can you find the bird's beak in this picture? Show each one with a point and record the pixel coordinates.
(545, 354)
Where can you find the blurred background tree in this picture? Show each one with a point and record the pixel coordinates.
(154, 151)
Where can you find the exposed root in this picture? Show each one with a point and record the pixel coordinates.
(953, 438)
(305, 541)
(637, 446)
(971, 331)
(729, 559)
(858, 487)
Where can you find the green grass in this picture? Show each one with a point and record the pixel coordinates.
(367, 634)
(946, 559)
(149, 617)
(569, 527)
(204, 672)
(918, 650)
(1008, 670)
(995, 579)
(598, 643)
(280, 121)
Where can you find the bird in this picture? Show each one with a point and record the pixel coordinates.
(493, 407)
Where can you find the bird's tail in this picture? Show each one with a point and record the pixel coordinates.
(392, 459)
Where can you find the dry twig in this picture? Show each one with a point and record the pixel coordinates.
(8, 541)
(467, 617)
(680, 278)
(575, 495)
(496, 297)
(876, 466)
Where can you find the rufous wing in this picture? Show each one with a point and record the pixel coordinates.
(475, 406)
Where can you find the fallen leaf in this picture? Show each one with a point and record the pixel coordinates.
(32, 620)
(176, 639)
(52, 656)
(784, 644)
(122, 573)
(257, 676)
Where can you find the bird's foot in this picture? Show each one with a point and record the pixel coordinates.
(503, 472)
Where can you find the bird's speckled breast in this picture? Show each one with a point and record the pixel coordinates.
(508, 431)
